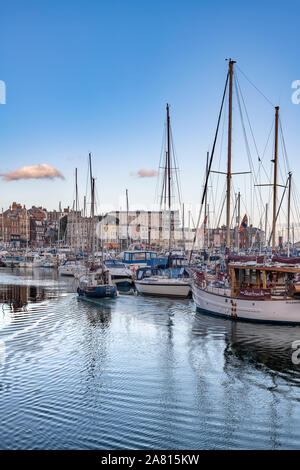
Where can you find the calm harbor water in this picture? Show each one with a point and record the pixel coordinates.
(138, 373)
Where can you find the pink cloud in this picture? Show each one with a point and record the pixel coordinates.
(142, 173)
(34, 171)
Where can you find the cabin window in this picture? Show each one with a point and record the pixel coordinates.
(148, 256)
(138, 256)
(127, 256)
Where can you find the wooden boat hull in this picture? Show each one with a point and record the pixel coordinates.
(283, 310)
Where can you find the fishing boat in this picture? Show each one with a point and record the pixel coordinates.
(254, 289)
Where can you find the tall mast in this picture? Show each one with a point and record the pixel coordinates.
(76, 211)
(205, 204)
(231, 63)
(189, 228)
(289, 213)
(72, 226)
(76, 191)
(91, 224)
(183, 235)
(90, 167)
(92, 221)
(83, 225)
(169, 173)
(26, 228)
(275, 178)
(127, 218)
(238, 220)
(206, 228)
(169, 157)
(266, 224)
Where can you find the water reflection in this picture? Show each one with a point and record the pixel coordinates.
(136, 372)
(17, 297)
(98, 312)
(262, 346)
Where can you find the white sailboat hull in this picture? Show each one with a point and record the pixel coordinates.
(281, 310)
(66, 270)
(120, 275)
(163, 288)
(26, 265)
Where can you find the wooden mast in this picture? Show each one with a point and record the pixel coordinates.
(231, 63)
(289, 214)
(266, 224)
(275, 178)
(238, 220)
(205, 205)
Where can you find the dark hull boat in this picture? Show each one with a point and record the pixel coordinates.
(96, 283)
(97, 292)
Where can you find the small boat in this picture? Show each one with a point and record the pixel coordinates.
(162, 286)
(11, 261)
(70, 268)
(31, 261)
(48, 260)
(120, 274)
(168, 277)
(96, 284)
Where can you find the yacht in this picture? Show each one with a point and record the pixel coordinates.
(120, 274)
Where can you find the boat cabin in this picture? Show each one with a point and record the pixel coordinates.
(263, 282)
(138, 258)
(113, 263)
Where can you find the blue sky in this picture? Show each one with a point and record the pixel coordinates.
(94, 76)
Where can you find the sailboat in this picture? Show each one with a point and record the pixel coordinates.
(255, 290)
(72, 267)
(96, 282)
(30, 259)
(155, 282)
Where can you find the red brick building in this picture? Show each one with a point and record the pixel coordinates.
(14, 225)
(38, 224)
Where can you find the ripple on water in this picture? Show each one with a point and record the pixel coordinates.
(138, 373)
